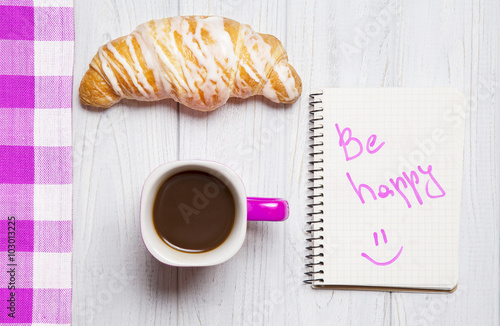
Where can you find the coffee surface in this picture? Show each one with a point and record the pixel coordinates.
(193, 211)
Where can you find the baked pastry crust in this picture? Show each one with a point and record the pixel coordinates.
(199, 61)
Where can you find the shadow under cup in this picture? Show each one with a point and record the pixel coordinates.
(256, 209)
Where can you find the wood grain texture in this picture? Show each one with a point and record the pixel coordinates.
(246, 136)
(359, 43)
(462, 41)
(115, 280)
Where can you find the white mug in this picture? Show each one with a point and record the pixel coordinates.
(256, 209)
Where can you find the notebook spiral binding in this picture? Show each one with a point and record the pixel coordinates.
(315, 211)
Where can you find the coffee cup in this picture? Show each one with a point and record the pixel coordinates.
(245, 209)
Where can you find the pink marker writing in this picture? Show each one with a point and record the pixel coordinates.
(346, 137)
(404, 187)
(381, 263)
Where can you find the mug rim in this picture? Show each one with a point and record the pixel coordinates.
(173, 257)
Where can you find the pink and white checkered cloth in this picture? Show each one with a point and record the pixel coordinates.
(36, 67)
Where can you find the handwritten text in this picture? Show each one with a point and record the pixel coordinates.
(394, 187)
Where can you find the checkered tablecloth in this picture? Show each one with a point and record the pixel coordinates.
(36, 67)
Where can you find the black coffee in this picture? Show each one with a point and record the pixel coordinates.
(193, 211)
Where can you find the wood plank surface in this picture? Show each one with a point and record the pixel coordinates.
(379, 43)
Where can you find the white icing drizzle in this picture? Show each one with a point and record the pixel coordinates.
(130, 71)
(259, 51)
(110, 62)
(169, 71)
(141, 77)
(146, 42)
(204, 79)
(108, 72)
(286, 78)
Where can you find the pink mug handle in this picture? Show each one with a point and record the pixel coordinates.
(267, 209)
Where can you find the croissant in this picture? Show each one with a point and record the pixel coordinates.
(199, 61)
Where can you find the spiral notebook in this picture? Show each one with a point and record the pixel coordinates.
(385, 188)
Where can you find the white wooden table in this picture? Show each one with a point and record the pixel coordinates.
(339, 43)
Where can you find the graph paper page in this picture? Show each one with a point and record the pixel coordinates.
(392, 182)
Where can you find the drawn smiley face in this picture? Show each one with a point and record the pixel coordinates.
(371, 260)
